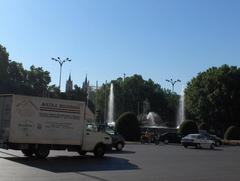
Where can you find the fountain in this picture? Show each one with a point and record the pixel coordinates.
(181, 112)
(153, 119)
(110, 116)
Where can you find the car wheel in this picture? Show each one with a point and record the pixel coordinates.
(119, 146)
(185, 146)
(217, 143)
(156, 142)
(166, 141)
(198, 146)
(212, 146)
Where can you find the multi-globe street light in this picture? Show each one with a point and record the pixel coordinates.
(61, 62)
(173, 82)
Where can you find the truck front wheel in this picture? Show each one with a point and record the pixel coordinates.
(42, 152)
(99, 151)
(28, 152)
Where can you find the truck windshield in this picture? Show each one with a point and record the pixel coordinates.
(91, 127)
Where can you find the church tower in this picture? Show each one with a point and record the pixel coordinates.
(69, 85)
(85, 85)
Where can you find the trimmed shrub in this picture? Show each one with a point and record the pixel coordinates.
(188, 127)
(232, 133)
(127, 125)
(203, 126)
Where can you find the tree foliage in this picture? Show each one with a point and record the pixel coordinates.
(232, 133)
(188, 127)
(213, 97)
(15, 79)
(4, 63)
(131, 93)
(203, 126)
(127, 125)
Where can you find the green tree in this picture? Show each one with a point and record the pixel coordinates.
(127, 125)
(4, 62)
(213, 97)
(99, 117)
(203, 126)
(188, 127)
(232, 133)
(38, 80)
(17, 76)
(130, 94)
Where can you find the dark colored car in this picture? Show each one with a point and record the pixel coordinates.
(170, 138)
(118, 141)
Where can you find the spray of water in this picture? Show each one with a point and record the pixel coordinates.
(181, 111)
(151, 118)
(110, 117)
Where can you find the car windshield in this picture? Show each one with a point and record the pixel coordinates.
(109, 131)
(192, 136)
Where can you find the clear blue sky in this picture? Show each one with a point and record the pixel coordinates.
(158, 39)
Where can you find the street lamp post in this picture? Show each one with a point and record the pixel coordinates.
(61, 62)
(173, 82)
(105, 102)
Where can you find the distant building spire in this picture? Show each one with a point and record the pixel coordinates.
(69, 85)
(86, 79)
(85, 85)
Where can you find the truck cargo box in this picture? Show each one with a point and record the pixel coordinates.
(25, 119)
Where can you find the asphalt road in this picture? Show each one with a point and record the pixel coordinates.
(138, 162)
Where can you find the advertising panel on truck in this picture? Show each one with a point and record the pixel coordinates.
(46, 121)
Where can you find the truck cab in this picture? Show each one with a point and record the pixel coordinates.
(95, 138)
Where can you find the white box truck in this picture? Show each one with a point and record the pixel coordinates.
(36, 125)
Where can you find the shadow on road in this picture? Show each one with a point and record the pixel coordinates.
(120, 152)
(60, 164)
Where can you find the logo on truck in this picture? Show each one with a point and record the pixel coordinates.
(26, 108)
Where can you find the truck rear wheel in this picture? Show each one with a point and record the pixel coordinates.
(99, 151)
(42, 152)
(28, 152)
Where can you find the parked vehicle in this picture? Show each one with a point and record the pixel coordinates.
(216, 139)
(197, 140)
(37, 125)
(170, 138)
(118, 141)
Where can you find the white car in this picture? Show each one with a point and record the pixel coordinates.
(197, 140)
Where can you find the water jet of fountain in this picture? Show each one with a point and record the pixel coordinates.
(153, 119)
(181, 111)
(110, 117)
